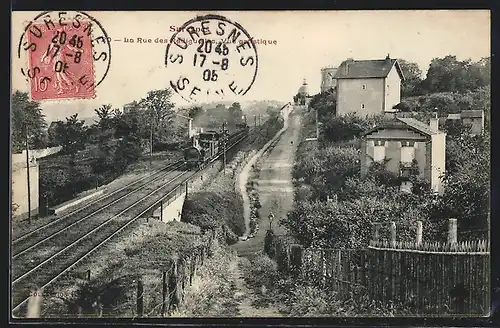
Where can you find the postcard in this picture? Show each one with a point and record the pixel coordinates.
(250, 164)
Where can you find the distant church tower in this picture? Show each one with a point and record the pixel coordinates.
(327, 78)
(302, 98)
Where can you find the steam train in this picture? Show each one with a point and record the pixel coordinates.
(208, 145)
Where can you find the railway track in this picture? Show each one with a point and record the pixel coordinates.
(38, 264)
(92, 206)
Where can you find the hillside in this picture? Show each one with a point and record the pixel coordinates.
(59, 111)
(249, 107)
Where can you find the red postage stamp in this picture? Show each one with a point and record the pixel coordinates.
(63, 58)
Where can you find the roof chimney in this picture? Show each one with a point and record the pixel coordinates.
(390, 115)
(388, 57)
(347, 62)
(434, 123)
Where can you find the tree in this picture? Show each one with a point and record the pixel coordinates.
(158, 103)
(159, 114)
(325, 103)
(448, 74)
(467, 188)
(27, 119)
(73, 134)
(105, 118)
(480, 73)
(348, 223)
(412, 83)
(54, 136)
(481, 100)
(195, 112)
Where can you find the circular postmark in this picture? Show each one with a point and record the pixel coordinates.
(211, 55)
(64, 54)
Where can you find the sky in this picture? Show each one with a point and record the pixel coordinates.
(300, 43)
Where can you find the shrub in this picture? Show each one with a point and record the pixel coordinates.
(212, 290)
(327, 169)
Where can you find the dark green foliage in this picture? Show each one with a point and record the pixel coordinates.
(451, 75)
(379, 173)
(72, 135)
(412, 83)
(332, 169)
(325, 103)
(27, 120)
(443, 103)
(98, 298)
(467, 181)
(326, 169)
(212, 118)
(268, 244)
(212, 210)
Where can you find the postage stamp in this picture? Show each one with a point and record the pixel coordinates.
(67, 56)
(211, 54)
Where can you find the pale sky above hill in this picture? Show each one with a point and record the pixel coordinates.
(306, 41)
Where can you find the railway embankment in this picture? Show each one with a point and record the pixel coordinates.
(144, 167)
(147, 247)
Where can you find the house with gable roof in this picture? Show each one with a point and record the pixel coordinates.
(367, 87)
(408, 147)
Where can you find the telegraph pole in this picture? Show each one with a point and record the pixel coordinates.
(255, 121)
(28, 173)
(224, 146)
(317, 126)
(151, 141)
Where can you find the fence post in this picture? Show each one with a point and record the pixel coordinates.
(393, 234)
(172, 286)
(140, 297)
(419, 233)
(164, 307)
(161, 210)
(296, 259)
(452, 233)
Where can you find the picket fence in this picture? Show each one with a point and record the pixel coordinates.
(433, 279)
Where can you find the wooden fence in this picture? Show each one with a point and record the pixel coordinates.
(153, 295)
(426, 278)
(165, 296)
(162, 298)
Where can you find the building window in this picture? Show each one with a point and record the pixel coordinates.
(364, 86)
(362, 105)
(379, 151)
(407, 152)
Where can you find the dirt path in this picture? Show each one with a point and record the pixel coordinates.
(247, 297)
(245, 172)
(275, 185)
(275, 194)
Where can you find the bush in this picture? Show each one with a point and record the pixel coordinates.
(212, 210)
(263, 272)
(326, 169)
(212, 291)
(348, 222)
(445, 102)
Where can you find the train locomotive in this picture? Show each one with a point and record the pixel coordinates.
(204, 147)
(208, 145)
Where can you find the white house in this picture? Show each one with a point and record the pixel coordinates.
(368, 87)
